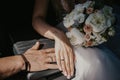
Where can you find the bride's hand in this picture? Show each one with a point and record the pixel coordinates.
(64, 55)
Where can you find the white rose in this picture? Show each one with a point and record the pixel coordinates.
(76, 14)
(79, 18)
(79, 8)
(68, 23)
(107, 10)
(77, 36)
(68, 34)
(111, 32)
(97, 21)
(68, 20)
(108, 22)
(87, 3)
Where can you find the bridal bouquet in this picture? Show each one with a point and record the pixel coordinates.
(89, 24)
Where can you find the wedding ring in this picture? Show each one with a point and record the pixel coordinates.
(51, 59)
(62, 59)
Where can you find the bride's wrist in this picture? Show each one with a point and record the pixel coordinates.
(52, 33)
(56, 34)
(59, 35)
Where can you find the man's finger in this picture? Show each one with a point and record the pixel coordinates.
(50, 50)
(53, 56)
(36, 45)
(49, 59)
(52, 66)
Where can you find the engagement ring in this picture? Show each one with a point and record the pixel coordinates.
(62, 59)
(51, 59)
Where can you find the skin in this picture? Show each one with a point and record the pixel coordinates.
(39, 60)
(63, 49)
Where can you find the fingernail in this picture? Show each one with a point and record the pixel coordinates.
(65, 73)
(68, 76)
(37, 42)
(72, 74)
(60, 69)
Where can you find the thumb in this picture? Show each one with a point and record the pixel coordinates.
(36, 45)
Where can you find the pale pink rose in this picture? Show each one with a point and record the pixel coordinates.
(87, 37)
(88, 43)
(89, 10)
(87, 29)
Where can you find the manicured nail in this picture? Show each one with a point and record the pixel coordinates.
(60, 69)
(72, 74)
(68, 76)
(65, 73)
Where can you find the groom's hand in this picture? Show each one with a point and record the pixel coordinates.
(40, 59)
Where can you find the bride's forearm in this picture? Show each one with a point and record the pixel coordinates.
(45, 29)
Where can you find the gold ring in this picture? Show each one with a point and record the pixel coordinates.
(62, 59)
(51, 59)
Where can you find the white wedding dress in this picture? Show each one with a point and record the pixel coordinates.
(97, 63)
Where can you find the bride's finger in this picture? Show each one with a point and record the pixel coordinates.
(63, 66)
(58, 59)
(67, 63)
(71, 59)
